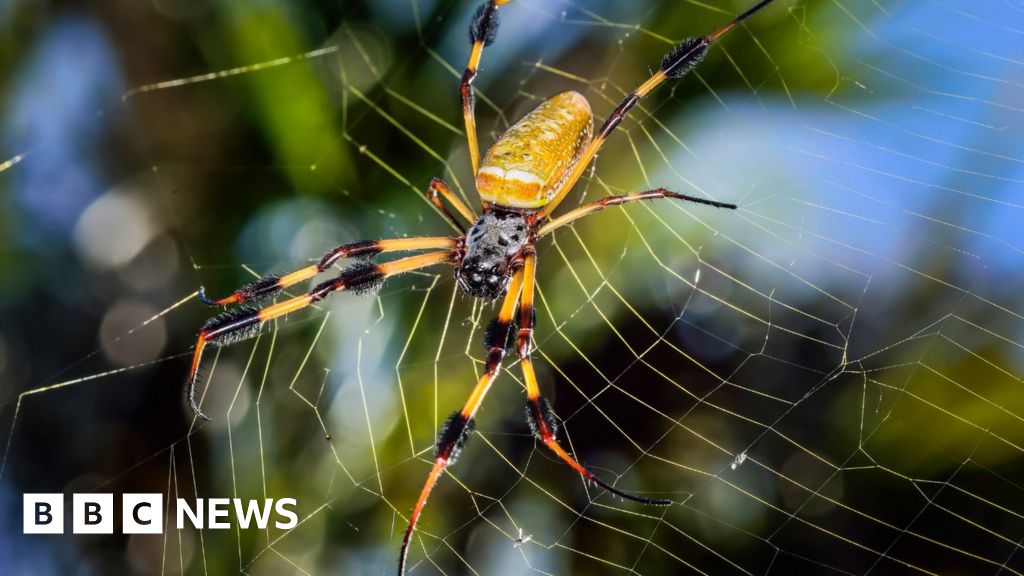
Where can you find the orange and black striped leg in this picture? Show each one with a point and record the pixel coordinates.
(270, 286)
(607, 201)
(482, 31)
(676, 64)
(245, 322)
(538, 410)
(452, 436)
(438, 186)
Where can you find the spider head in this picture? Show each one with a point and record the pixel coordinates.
(482, 276)
(490, 245)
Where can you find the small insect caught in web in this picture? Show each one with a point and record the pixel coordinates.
(522, 540)
(521, 180)
(738, 460)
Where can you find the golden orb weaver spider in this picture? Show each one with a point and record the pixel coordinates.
(523, 177)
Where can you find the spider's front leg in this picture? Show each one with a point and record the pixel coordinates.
(538, 410)
(245, 322)
(452, 436)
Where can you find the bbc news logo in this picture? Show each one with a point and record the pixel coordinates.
(144, 513)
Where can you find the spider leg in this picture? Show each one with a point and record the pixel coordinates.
(538, 410)
(271, 286)
(482, 31)
(452, 436)
(245, 322)
(439, 186)
(676, 64)
(603, 203)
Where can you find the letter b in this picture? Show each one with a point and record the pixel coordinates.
(93, 514)
(43, 514)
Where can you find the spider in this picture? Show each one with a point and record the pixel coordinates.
(524, 176)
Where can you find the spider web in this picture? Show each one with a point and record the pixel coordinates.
(824, 381)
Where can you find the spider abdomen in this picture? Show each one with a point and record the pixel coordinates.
(528, 162)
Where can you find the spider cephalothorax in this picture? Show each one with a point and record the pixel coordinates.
(525, 175)
(491, 244)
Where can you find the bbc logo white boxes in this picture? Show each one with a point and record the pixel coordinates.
(93, 513)
(144, 513)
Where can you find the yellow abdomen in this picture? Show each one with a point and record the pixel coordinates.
(525, 166)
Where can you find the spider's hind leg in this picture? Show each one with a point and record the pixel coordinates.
(482, 31)
(679, 62)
